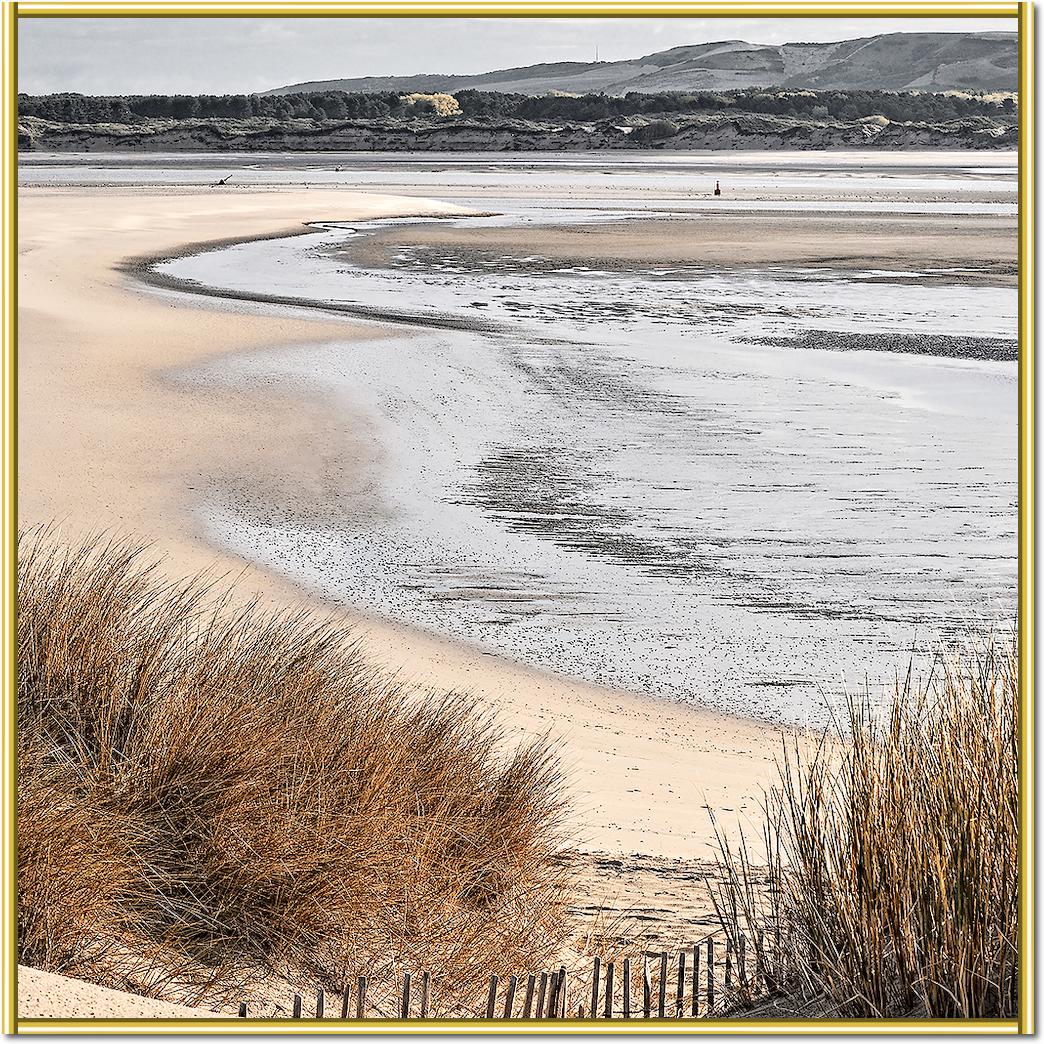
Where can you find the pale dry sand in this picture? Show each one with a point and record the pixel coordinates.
(44, 995)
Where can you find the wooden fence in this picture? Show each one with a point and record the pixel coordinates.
(693, 983)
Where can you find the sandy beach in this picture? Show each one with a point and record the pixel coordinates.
(106, 442)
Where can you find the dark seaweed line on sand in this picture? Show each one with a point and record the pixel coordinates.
(991, 349)
(143, 269)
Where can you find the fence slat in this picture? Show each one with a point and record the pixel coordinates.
(425, 994)
(728, 965)
(242, 1009)
(320, 1004)
(346, 999)
(595, 983)
(696, 981)
(609, 990)
(404, 1007)
(663, 986)
(646, 989)
(627, 988)
(679, 1006)
(509, 1000)
(360, 998)
(297, 1005)
(563, 991)
(742, 960)
(491, 1000)
(710, 976)
(552, 997)
(540, 998)
(527, 1009)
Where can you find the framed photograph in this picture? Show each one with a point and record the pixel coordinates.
(518, 518)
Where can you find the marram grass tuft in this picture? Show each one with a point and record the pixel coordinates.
(212, 793)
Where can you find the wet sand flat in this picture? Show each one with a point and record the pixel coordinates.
(981, 248)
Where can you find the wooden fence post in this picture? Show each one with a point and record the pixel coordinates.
(360, 998)
(552, 997)
(742, 960)
(242, 1009)
(728, 965)
(710, 976)
(509, 1000)
(696, 980)
(609, 990)
(491, 1000)
(646, 988)
(679, 1006)
(346, 1000)
(627, 988)
(663, 986)
(297, 1005)
(563, 991)
(540, 998)
(404, 1009)
(595, 982)
(527, 1010)
(425, 994)
(320, 1004)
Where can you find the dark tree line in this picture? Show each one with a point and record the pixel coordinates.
(339, 105)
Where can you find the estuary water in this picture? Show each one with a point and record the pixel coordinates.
(753, 488)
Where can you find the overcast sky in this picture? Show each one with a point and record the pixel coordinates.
(242, 55)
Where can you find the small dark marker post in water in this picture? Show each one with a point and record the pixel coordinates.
(491, 1000)
(404, 1009)
(710, 976)
(646, 989)
(696, 980)
(509, 1000)
(595, 982)
(425, 994)
(360, 998)
(320, 1004)
(297, 1005)
(346, 999)
(542, 994)
(679, 1006)
(609, 990)
(663, 986)
(627, 988)
(242, 1009)
(527, 1008)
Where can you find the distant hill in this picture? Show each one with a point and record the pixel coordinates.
(893, 62)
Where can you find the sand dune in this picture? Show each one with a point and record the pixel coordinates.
(44, 995)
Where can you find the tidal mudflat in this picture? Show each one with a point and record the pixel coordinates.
(748, 486)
